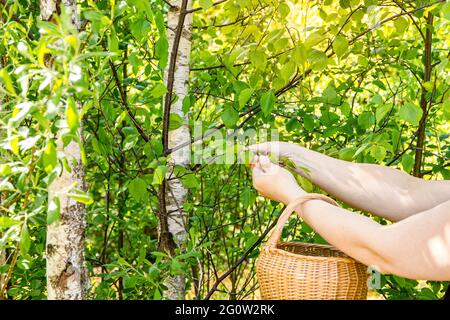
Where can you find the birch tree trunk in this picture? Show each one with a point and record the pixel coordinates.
(177, 79)
(67, 277)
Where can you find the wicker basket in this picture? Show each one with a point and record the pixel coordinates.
(302, 271)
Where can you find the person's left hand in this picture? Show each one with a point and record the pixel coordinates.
(273, 181)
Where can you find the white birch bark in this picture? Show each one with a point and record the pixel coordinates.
(67, 277)
(176, 192)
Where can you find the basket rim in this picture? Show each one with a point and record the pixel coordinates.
(312, 258)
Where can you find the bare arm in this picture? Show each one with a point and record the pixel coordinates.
(417, 247)
(383, 191)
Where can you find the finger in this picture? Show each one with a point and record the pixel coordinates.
(265, 163)
(263, 148)
(254, 160)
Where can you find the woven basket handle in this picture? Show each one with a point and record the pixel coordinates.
(276, 234)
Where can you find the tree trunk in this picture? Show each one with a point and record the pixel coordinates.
(423, 99)
(67, 276)
(177, 79)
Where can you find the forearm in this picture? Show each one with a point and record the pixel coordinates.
(417, 247)
(383, 191)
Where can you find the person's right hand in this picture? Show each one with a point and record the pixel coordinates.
(273, 181)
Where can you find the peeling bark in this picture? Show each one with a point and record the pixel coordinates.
(177, 78)
(49, 7)
(67, 276)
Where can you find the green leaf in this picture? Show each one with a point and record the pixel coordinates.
(344, 3)
(292, 124)
(314, 39)
(7, 81)
(366, 120)
(244, 96)
(81, 196)
(267, 102)
(54, 210)
(340, 46)
(7, 222)
(49, 157)
(401, 24)
(206, 4)
(176, 121)
(5, 169)
(25, 240)
(407, 162)
(157, 294)
(229, 116)
(140, 28)
(410, 113)
(258, 59)
(378, 152)
(379, 84)
(159, 174)
(73, 121)
(446, 109)
(176, 267)
(113, 41)
(283, 10)
(329, 95)
(186, 105)
(129, 282)
(299, 55)
(376, 99)
(288, 70)
(158, 91)
(247, 197)
(308, 122)
(14, 144)
(190, 181)
(138, 189)
(162, 51)
(428, 86)
(159, 254)
(445, 10)
(346, 154)
(381, 112)
(318, 60)
(92, 15)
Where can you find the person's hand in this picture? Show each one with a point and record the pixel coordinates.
(290, 154)
(273, 181)
(276, 148)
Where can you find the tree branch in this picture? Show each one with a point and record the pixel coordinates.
(125, 103)
(200, 8)
(241, 259)
(171, 73)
